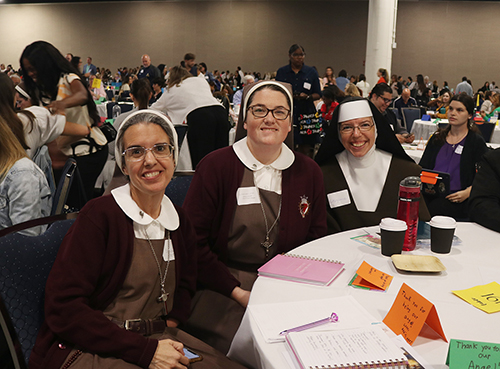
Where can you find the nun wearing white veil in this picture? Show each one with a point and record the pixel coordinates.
(362, 164)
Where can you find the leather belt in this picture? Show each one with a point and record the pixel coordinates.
(145, 327)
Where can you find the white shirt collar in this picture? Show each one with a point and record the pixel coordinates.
(284, 160)
(168, 217)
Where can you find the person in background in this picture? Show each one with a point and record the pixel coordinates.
(456, 150)
(189, 100)
(96, 87)
(495, 108)
(383, 76)
(158, 84)
(420, 91)
(362, 164)
(380, 96)
(332, 96)
(306, 90)
(24, 191)
(363, 85)
(486, 87)
(484, 200)
(77, 62)
(284, 208)
(342, 80)
(404, 101)
(248, 79)
(148, 70)
(464, 86)
(52, 81)
(442, 104)
(190, 64)
(351, 90)
(487, 105)
(397, 87)
(329, 78)
(89, 69)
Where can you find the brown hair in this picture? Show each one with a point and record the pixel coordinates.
(177, 75)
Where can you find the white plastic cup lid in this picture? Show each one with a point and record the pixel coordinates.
(440, 221)
(391, 224)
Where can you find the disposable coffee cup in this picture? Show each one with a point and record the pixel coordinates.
(442, 231)
(392, 232)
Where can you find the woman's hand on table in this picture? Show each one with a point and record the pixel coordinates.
(240, 296)
(459, 196)
(169, 355)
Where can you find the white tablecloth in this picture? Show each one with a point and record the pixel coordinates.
(424, 129)
(474, 262)
(415, 150)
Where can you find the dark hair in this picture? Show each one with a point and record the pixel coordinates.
(362, 77)
(468, 102)
(443, 91)
(7, 111)
(50, 64)
(343, 73)
(294, 47)
(464, 78)
(421, 83)
(189, 56)
(161, 67)
(380, 89)
(487, 94)
(75, 61)
(158, 81)
(334, 93)
(204, 66)
(141, 90)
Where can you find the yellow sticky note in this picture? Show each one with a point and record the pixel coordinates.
(485, 297)
(96, 83)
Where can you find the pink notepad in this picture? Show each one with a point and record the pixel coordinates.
(302, 269)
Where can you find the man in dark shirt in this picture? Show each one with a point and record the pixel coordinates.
(404, 101)
(148, 70)
(190, 64)
(306, 89)
(381, 96)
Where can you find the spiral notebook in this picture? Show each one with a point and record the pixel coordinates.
(302, 269)
(355, 348)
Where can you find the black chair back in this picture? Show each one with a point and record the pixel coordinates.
(25, 263)
(486, 130)
(409, 116)
(126, 107)
(110, 94)
(109, 109)
(178, 187)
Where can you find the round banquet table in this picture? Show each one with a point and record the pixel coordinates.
(471, 263)
(424, 129)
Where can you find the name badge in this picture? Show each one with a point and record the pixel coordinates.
(307, 85)
(339, 198)
(459, 150)
(247, 196)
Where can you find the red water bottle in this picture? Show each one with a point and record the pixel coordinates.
(409, 195)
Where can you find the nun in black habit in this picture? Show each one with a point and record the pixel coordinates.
(362, 163)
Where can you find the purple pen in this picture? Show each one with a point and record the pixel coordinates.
(331, 319)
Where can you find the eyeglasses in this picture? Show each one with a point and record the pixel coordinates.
(260, 111)
(138, 153)
(299, 55)
(347, 129)
(386, 101)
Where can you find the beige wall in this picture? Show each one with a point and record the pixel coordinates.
(444, 40)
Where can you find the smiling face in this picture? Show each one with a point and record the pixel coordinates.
(446, 97)
(458, 114)
(358, 143)
(268, 131)
(148, 177)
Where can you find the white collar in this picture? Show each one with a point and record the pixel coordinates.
(168, 217)
(284, 160)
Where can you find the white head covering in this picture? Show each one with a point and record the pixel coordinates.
(146, 112)
(365, 175)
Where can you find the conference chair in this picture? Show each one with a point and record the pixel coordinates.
(178, 187)
(126, 107)
(409, 116)
(69, 173)
(181, 130)
(486, 130)
(25, 263)
(109, 109)
(110, 94)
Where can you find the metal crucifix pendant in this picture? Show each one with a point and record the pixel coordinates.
(163, 298)
(266, 245)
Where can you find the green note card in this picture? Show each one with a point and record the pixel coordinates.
(473, 355)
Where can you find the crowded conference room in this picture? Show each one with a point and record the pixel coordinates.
(249, 184)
